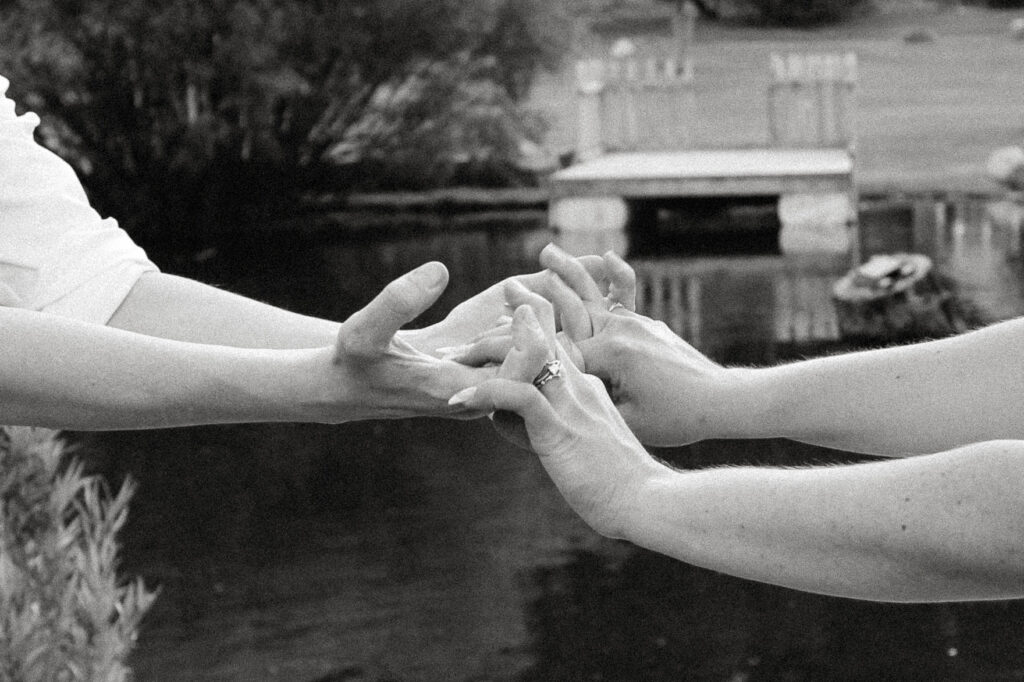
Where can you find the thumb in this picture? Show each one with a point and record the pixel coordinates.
(370, 329)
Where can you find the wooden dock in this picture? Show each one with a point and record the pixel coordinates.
(708, 172)
(634, 110)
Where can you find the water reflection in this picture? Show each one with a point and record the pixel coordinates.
(430, 550)
(760, 308)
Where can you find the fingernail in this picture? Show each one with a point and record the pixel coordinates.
(463, 396)
(430, 275)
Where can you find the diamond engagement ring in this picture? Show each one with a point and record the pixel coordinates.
(552, 370)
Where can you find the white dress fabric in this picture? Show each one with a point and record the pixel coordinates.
(56, 254)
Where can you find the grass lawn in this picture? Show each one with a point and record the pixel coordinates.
(928, 114)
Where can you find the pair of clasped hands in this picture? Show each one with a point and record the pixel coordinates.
(612, 385)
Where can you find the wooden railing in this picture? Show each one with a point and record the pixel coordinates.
(811, 100)
(634, 87)
(634, 104)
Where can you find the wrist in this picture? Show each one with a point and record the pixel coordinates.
(642, 520)
(741, 404)
(317, 390)
(711, 402)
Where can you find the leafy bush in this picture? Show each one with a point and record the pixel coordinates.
(446, 118)
(183, 116)
(64, 613)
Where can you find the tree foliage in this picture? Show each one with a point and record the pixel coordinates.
(197, 112)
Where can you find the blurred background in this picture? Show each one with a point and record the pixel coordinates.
(307, 152)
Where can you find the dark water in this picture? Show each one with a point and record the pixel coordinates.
(431, 550)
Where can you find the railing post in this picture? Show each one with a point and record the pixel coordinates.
(589, 85)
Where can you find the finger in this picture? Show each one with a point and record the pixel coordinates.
(595, 266)
(572, 351)
(525, 358)
(370, 329)
(547, 431)
(622, 281)
(569, 309)
(601, 315)
(531, 348)
(597, 357)
(572, 271)
(597, 269)
(572, 313)
(501, 328)
(518, 295)
(492, 350)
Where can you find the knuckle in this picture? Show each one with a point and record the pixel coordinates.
(561, 441)
(593, 383)
(625, 276)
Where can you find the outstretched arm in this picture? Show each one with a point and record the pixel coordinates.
(939, 527)
(64, 373)
(181, 309)
(912, 399)
(897, 401)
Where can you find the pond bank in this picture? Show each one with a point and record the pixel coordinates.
(373, 215)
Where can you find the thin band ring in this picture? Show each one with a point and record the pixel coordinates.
(615, 306)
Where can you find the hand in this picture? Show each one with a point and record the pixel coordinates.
(376, 373)
(477, 332)
(589, 452)
(481, 313)
(665, 389)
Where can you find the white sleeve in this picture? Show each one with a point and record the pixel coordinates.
(56, 254)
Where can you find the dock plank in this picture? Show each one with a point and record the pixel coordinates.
(717, 172)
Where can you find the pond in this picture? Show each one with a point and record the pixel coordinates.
(431, 550)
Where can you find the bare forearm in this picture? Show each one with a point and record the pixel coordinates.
(913, 399)
(176, 308)
(948, 526)
(66, 374)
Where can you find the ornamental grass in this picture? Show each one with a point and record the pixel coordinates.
(65, 614)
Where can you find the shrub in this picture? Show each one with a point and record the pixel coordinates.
(187, 117)
(64, 613)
